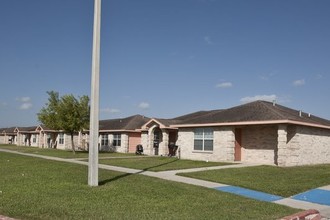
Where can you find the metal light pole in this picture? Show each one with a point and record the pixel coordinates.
(93, 155)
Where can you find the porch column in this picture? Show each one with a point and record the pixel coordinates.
(144, 142)
(163, 146)
(281, 145)
(124, 143)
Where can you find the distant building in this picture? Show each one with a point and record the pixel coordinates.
(257, 132)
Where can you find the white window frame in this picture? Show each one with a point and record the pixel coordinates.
(104, 140)
(204, 135)
(61, 138)
(34, 138)
(116, 142)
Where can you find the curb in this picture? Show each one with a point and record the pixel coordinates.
(311, 214)
(2, 217)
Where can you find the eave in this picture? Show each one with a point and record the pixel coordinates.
(270, 122)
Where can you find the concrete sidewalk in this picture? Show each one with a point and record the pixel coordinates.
(300, 201)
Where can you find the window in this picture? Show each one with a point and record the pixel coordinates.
(203, 139)
(34, 138)
(104, 140)
(61, 138)
(116, 140)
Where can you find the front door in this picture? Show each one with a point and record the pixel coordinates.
(238, 144)
(157, 134)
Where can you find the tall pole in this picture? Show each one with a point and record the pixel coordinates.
(93, 155)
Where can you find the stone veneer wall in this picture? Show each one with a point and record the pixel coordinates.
(144, 142)
(124, 144)
(259, 144)
(163, 145)
(307, 145)
(223, 145)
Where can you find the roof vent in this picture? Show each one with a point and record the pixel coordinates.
(309, 115)
(300, 113)
(274, 102)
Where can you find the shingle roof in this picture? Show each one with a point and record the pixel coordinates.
(254, 111)
(27, 129)
(7, 130)
(129, 123)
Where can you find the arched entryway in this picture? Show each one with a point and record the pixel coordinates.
(157, 139)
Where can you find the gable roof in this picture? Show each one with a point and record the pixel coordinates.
(26, 129)
(130, 123)
(254, 112)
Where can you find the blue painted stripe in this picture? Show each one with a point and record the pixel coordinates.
(318, 196)
(249, 193)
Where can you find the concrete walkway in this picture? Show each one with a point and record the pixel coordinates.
(318, 199)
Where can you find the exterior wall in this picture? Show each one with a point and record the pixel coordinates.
(282, 140)
(123, 148)
(307, 145)
(133, 140)
(144, 142)
(223, 145)
(2, 139)
(259, 144)
(67, 142)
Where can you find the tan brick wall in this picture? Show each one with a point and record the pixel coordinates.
(308, 145)
(223, 145)
(259, 144)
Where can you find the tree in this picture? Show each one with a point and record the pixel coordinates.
(65, 113)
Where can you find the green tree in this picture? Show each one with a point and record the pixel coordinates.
(65, 113)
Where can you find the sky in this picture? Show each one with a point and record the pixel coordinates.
(165, 58)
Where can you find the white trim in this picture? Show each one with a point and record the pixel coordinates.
(145, 126)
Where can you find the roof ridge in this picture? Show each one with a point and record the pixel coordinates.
(133, 118)
(266, 104)
(130, 120)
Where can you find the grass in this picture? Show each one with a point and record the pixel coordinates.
(142, 163)
(33, 188)
(60, 153)
(282, 181)
(158, 163)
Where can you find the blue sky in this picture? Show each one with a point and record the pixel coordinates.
(165, 58)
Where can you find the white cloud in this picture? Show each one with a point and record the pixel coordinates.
(269, 98)
(299, 82)
(24, 99)
(224, 85)
(25, 106)
(208, 40)
(25, 102)
(144, 105)
(110, 110)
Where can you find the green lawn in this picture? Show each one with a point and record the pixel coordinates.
(282, 181)
(33, 188)
(59, 153)
(135, 161)
(158, 163)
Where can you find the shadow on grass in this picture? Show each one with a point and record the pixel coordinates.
(103, 182)
(159, 165)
